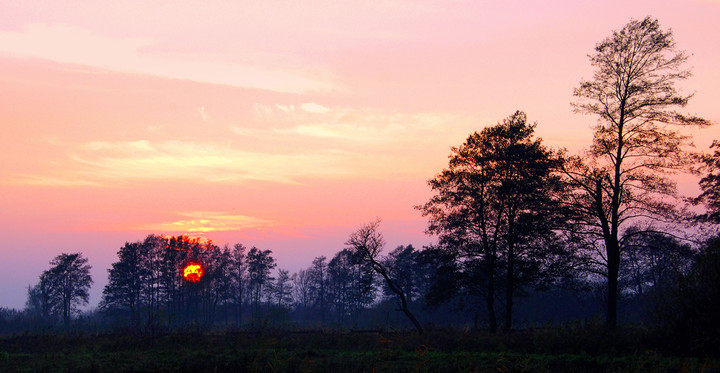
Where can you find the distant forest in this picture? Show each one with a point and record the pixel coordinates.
(527, 237)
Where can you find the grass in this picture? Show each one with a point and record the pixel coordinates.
(537, 350)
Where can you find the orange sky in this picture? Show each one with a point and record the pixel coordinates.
(284, 125)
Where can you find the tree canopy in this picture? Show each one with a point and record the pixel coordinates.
(62, 288)
(493, 206)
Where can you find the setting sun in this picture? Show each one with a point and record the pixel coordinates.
(193, 272)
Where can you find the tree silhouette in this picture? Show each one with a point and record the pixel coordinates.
(63, 287)
(710, 185)
(259, 264)
(494, 206)
(282, 289)
(621, 177)
(238, 273)
(403, 264)
(126, 282)
(351, 286)
(367, 242)
(318, 278)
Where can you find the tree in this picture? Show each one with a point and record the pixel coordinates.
(351, 285)
(38, 303)
(259, 264)
(654, 261)
(126, 281)
(146, 283)
(402, 263)
(710, 186)
(218, 279)
(318, 274)
(688, 310)
(238, 275)
(368, 243)
(302, 288)
(437, 276)
(282, 289)
(622, 178)
(64, 286)
(494, 206)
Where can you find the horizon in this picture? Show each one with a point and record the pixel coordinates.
(284, 128)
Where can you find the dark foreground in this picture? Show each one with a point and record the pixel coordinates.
(539, 350)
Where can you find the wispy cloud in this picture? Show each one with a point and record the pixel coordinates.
(100, 163)
(51, 181)
(69, 44)
(358, 125)
(312, 107)
(207, 221)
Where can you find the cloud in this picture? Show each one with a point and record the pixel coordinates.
(290, 143)
(74, 45)
(203, 114)
(201, 162)
(208, 221)
(312, 107)
(112, 163)
(360, 125)
(52, 181)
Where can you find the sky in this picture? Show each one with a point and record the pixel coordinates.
(284, 125)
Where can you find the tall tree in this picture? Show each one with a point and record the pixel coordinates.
(367, 242)
(218, 279)
(318, 274)
(239, 276)
(282, 289)
(259, 264)
(66, 284)
(126, 281)
(493, 207)
(622, 178)
(302, 288)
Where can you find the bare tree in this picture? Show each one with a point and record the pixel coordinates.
(282, 289)
(622, 178)
(301, 288)
(368, 242)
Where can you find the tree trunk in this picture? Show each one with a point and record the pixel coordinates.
(490, 300)
(613, 255)
(397, 290)
(510, 282)
(509, 289)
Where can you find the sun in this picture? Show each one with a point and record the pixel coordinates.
(193, 272)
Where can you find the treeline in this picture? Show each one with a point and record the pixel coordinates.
(514, 220)
(664, 283)
(239, 286)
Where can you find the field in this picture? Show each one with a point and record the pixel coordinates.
(537, 350)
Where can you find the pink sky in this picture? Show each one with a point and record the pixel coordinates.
(280, 124)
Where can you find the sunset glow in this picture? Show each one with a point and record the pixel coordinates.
(281, 125)
(193, 272)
